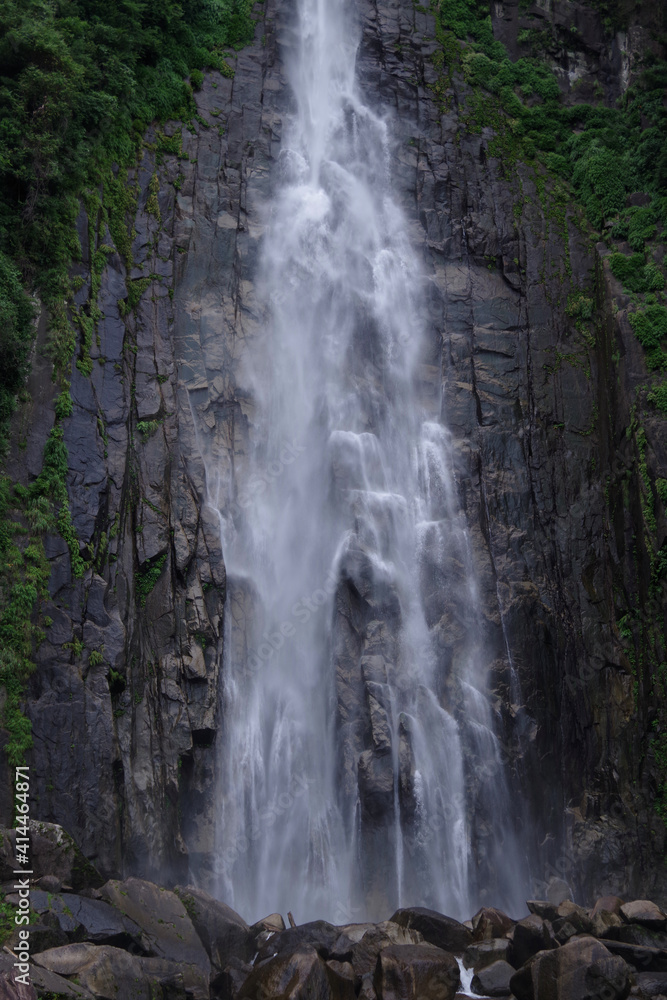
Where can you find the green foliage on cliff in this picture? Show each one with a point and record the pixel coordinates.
(148, 576)
(606, 153)
(79, 82)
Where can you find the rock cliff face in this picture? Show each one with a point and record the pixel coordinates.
(124, 701)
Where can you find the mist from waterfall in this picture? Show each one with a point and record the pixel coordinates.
(348, 486)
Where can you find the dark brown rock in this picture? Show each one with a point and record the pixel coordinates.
(483, 953)
(583, 969)
(300, 975)
(652, 984)
(531, 935)
(415, 972)
(493, 980)
(435, 928)
(641, 957)
(224, 934)
(611, 904)
(110, 973)
(490, 923)
(53, 853)
(166, 929)
(643, 911)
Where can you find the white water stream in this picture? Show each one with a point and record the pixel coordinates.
(347, 479)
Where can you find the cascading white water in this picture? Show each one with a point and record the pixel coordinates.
(346, 480)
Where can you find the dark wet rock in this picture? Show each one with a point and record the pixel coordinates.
(326, 939)
(437, 929)
(224, 934)
(544, 909)
(110, 972)
(571, 920)
(375, 938)
(53, 986)
(531, 935)
(343, 969)
(10, 989)
(273, 924)
(641, 957)
(83, 919)
(166, 929)
(604, 922)
(299, 975)
(638, 934)
(483, 953)
(226, 985)
(104, 971)
(643, 911)
(652, 984)
(493, 980)
(53, 852)
(491, 923)
(415, 972)
(580, 970)
(609, 904)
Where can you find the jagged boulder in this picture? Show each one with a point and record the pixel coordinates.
(609, 904)
(52, 852)
(532, 934)
(81, 918)
(375, 939)
(652, 984)
(571, 920)
(641, 957)
(583, 969)
(415, 972)
(483, 953)
(327, 940)
(224, 934)
(10, 989)
(437, 929)
(493, 980)
(490, 923)
(166, 929)
(299, 975)
(643, 911)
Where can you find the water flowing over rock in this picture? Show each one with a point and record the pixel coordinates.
(354, 743)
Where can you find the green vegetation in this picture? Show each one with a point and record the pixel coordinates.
(634, 273)
(148, 576)
(7, 914)
(80, 81)
(606, 153)
(603, 154)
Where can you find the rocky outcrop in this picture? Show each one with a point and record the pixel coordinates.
(137, 939)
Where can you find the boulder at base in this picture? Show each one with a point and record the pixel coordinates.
(416, 972)
(582, 969)
(224, 934)
(167, 930)
(493, 980)
(301, 975)
(444, 932)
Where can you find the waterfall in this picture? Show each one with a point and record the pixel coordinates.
(359, 765)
